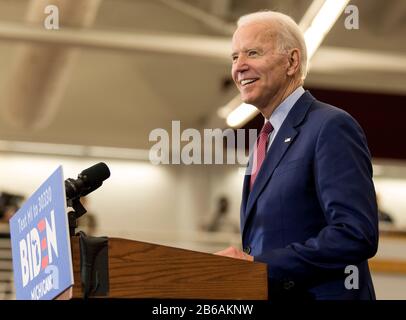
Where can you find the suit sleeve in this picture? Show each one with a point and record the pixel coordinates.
(343, 180)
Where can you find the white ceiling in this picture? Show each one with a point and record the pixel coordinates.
(116, 94)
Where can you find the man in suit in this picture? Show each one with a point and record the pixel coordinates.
(308, 207)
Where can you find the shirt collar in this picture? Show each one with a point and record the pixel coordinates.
(281, 111)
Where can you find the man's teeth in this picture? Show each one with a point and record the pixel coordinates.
(246, 81)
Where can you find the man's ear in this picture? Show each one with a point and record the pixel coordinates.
(294, 62)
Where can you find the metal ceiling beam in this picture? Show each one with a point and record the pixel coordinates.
(206, 47)
(200, 46)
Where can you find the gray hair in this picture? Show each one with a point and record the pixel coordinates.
(289, 34)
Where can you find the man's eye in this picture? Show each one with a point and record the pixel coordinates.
(252, 53)
(234, 58)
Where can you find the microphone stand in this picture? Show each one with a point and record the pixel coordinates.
(78, 211)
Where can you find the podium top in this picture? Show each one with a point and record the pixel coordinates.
(145, 270)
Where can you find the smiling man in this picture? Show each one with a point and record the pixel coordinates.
(308, 207)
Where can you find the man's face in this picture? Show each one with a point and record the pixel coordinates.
(258, 70)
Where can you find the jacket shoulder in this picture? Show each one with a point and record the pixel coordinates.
(324, 113)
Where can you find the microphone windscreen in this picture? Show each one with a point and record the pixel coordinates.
(96, 174)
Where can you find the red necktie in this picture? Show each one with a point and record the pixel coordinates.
(260, 151)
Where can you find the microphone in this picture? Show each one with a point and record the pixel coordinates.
(88, 180)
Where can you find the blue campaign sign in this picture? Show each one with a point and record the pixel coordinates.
(42, 259)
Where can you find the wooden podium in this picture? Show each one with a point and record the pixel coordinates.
(144, 270)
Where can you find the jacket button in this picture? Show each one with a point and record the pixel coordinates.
(247, 249)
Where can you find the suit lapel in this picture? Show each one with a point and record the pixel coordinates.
(245, 194)
(281, 143)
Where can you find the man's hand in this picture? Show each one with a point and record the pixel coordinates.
(232, 252)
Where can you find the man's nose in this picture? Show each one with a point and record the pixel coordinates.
(240, 65)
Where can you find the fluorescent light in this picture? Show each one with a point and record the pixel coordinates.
(321, 24)
(224, 112)
(241, 114)
(310, 13)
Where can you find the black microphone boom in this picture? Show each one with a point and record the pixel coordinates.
(88, 180)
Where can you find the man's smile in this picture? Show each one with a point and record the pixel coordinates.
(245, 82)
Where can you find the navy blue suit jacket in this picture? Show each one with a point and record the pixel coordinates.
(312, 210)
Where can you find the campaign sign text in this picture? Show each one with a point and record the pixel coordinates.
(42, 260)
